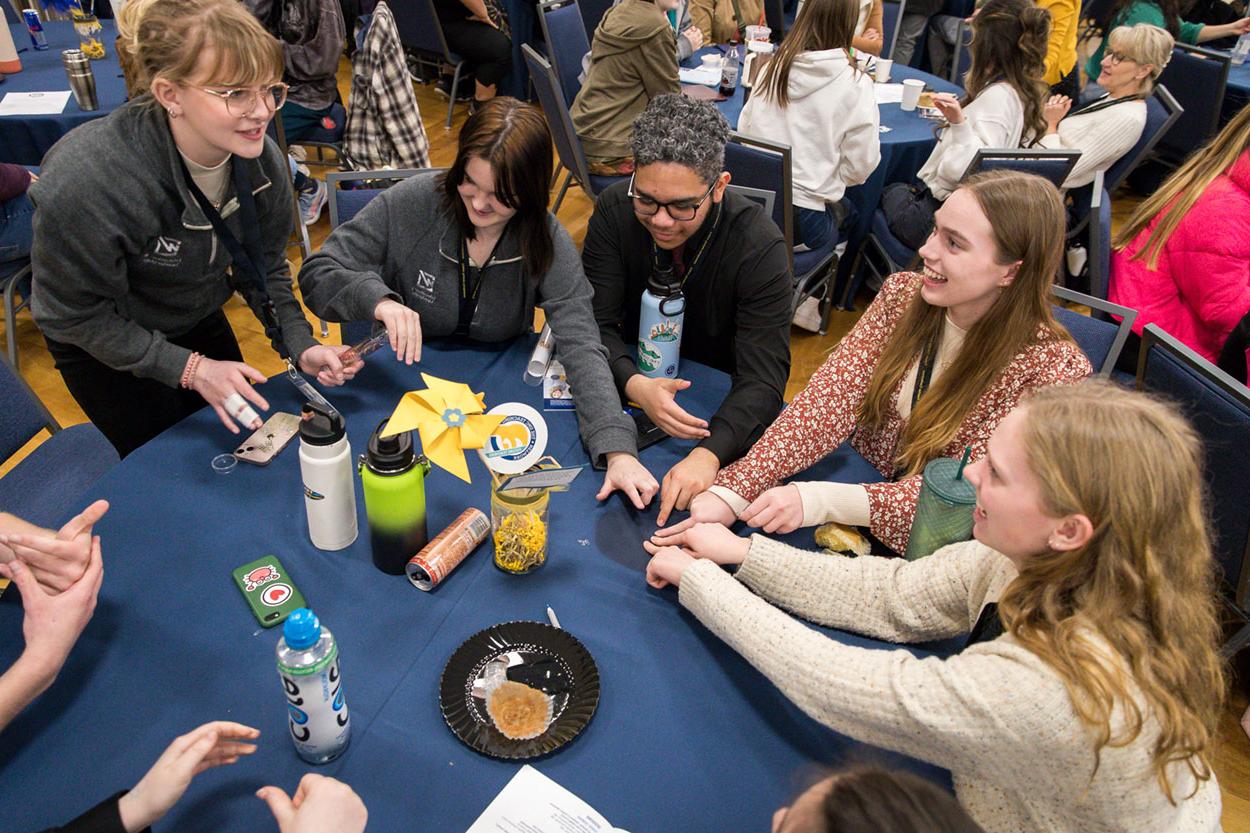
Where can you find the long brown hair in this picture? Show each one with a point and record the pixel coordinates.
(821, 24)
(1009, 39)
(513, 137)
(1144, 582)
(1183, 188)
(1027, 216)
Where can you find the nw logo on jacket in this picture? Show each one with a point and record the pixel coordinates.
(166, 246)
(423, 287)
(163, 251)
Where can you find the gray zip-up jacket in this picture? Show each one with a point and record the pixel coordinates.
(123, 256)
(405, 245)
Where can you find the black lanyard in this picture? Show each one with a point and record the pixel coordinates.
(469, 296)
(1102, 104)
(248, 257)
(924, 372)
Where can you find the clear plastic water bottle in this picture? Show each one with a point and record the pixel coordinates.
(308, 663)
(1241, 50)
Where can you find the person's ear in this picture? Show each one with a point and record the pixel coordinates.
(1012, 271)
(722, 182)
(1073, 532)
(168, 95)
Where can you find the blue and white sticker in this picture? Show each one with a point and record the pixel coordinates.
(519, 441)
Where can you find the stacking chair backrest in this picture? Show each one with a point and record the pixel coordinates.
(763, 196)
(24, 415)
(592, 12)
(763, 165)
(419, 28)
(891, 14)
(961, 60)
(565, 34)
(1098, 242)
(550, 96)
(1099, 337)
(1197, 78)
(1054, 165)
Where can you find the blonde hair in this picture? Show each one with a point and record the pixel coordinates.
(1144, 582)
(1028, 220)
(166, 38)
(1145, 45)
(1183, 188)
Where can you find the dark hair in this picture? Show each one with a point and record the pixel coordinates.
(513, 137)
(676, 128)
(875, 800)
(1110, 11)
(821, 25)
(1009, 39)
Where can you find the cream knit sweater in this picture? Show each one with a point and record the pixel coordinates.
(996, 715)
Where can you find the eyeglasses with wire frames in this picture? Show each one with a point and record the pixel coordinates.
(1117, 58)
(242, 101)
(680, 210)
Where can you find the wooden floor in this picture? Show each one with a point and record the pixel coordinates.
(808, 350)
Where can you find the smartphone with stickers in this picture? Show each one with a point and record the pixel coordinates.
(269, 591)
(269, 439)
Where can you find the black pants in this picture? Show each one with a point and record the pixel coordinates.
(486, 50)
(909, 211)
(130, 410)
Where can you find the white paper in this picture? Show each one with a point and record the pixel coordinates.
(34, 104)
(707, 76)
(533, 803)
(557, 393)
(888, 93)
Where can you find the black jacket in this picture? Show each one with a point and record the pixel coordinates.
(738, 299)
(102, 818)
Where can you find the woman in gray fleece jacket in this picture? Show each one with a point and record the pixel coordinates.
(470, 253)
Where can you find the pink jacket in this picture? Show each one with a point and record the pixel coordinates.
(1201, 287)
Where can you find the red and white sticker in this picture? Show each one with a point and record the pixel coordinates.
(276, 594)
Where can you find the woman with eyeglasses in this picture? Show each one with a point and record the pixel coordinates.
(148, 220)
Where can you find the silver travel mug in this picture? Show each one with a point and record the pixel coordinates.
(81, 78)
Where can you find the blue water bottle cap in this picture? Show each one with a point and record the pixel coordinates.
(302, 629)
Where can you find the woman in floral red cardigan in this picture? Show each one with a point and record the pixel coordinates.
(937, 360)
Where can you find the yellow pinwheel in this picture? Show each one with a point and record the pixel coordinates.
(449, 417)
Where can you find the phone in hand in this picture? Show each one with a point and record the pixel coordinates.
(269, 439)
(269, 591)
(648, 432)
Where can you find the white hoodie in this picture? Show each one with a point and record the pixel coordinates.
(831, 125)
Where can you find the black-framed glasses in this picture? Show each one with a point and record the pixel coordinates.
(1117, 58)
(680, 210)
(242, 101)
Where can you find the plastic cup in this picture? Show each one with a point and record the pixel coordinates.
(883, 70)
(912, 88)
(944, 511)
(758, 33)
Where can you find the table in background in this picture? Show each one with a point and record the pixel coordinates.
(1236, 93)
(687, 734)
(25, 139)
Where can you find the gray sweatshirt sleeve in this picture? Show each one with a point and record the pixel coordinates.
(565, 296)
(343, 281)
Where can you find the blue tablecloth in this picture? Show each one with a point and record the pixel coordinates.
(687, 734)
(25, 139)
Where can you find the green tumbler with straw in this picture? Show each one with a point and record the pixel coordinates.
(944, 512)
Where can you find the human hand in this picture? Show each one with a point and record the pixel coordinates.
(403, 327)
(871, 34)
(711, 541)
(780, 509)
(34, 177)
(948, 105)
(686, 480)
(321, 805)
(658, 397)
(666, 566)
(706, 507)
(695, 36)
(326, 361)
(52, 623)
(631, 477)
(1056, 107)
(1239, 27)
(58, 560)
(217, 381)
(208, 746)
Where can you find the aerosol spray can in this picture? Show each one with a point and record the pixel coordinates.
(660, 321)
(325, 464)
(393, 476)
(308, 664)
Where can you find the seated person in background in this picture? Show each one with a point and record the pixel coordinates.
(689, 38)
(1107, 127)
(933, 365)
(811, 97)
(911, 26)
(867, 798)
(15, 214)
(631, 62)
(1088, 694)
(868, 27)
(735, 276)
(1003, 104)
(1060, 71)
(1166, 14)
(477, 30)
(1183, 259)
(725, 21)
(470, 253)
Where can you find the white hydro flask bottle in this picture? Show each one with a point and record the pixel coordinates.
(325, 464)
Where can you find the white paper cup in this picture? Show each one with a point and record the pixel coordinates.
(883, 70)
(712, 60)
(758, 33)
(912, 88)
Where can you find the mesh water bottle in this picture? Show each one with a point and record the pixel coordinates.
(308, 663)
(660, 321)
(393, 476)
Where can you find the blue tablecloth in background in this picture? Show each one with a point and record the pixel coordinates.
(25, 139)
(687, 734)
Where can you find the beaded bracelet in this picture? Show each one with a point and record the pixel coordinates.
(188, 372)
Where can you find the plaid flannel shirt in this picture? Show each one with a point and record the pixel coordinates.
(384, 127)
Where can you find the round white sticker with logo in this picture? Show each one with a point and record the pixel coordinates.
(518, 442)
(276, 594)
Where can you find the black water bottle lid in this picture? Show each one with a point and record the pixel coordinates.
(663, 282)
(319, 426)
(389, 455)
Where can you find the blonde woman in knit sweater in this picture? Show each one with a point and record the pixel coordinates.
(1109, 126)
(1087, 698)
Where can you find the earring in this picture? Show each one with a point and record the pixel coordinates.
(172, 114)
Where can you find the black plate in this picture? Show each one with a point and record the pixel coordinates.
(543, 657)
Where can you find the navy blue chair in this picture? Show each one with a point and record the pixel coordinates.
(891, 14)
(15, 280)
(961, 58)
(46, 487)
(322, 138)
(568, 145)
(422, 35)
(10, 14)
(1098, 335)
(561, 21)
(592, 12)
(1053, 165)
(1219, 409)
(1197, 78)
(1098, 243)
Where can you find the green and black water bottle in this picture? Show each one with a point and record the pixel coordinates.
(393, 475)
